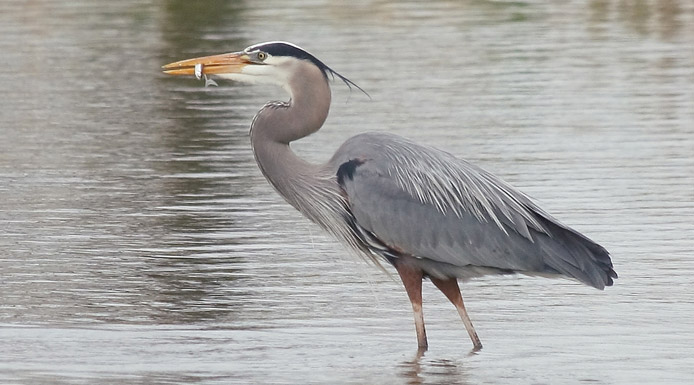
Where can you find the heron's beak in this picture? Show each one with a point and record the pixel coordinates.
(215, 64)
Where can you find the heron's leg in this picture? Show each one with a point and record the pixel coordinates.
(449, 287)
(412, 279)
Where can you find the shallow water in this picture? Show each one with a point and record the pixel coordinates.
(141, 244)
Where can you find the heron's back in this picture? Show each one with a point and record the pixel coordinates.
(454, 218)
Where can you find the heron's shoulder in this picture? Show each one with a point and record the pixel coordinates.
(370, 140)
(383, 149)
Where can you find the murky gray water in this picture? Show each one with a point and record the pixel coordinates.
(140, 244)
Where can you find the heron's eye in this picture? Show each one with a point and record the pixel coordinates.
(262, 56)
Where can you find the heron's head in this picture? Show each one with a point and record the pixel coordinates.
(265, 63)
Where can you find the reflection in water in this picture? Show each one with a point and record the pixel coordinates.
(661, 18)
(140, 240)
(421, 370)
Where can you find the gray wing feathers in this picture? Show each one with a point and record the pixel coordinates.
(431, 205)
(453, 185)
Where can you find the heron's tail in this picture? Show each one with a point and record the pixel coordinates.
(572, 254)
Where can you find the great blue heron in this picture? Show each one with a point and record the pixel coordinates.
(426, 212)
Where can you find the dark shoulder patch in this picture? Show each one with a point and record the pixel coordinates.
(347, 169)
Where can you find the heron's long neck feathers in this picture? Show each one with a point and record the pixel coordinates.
(310, 188)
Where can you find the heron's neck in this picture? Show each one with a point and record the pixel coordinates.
(303, 115)
(278, 124)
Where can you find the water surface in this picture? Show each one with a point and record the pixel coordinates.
(141, 244)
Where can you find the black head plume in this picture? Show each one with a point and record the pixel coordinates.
(280, 48)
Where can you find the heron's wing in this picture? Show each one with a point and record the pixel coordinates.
(426, 203)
